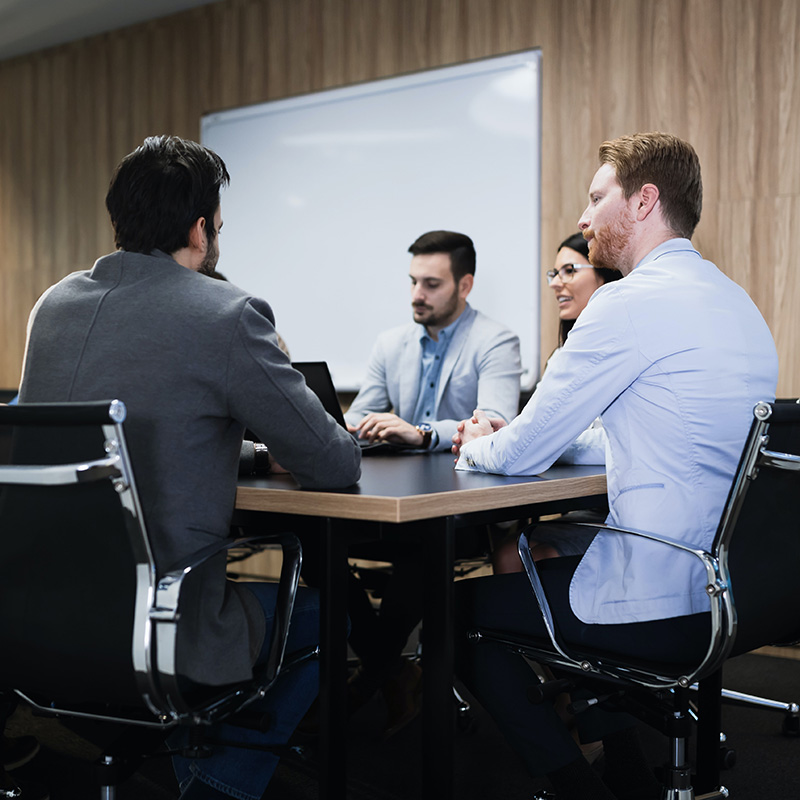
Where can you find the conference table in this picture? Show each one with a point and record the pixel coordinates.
(419, 497)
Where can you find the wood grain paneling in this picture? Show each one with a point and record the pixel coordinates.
(725, 74)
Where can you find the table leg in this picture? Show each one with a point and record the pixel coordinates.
(437, 649)
(333, 662)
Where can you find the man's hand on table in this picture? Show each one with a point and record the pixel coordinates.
(385, 427)
(480, 424)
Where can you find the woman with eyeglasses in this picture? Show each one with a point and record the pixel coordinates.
(573, 281)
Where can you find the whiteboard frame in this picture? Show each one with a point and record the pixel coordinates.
(251, 251)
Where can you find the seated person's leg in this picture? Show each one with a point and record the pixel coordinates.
(363, 618)
(242, 772)
(546, 540)
(401, 610)
(499, 679)
(365, 629)
(383, 666)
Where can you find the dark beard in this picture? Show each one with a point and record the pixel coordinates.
(209, 263)
(436, 319)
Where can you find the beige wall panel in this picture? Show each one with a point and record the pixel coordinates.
(703, 90)
(334, 30)
(787, 86)
(723, 73)
(370, 44)
(254, 49)
(18, 209)
(775, 272)
(278, 46)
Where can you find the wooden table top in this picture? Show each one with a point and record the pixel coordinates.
(404, 487)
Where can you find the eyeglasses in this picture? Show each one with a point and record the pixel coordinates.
(565, 273)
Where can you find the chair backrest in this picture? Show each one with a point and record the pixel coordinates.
(75, 564)
(758, 539)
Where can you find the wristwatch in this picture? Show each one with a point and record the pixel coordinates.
(427, 434)
(261, 461)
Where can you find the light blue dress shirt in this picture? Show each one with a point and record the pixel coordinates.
(674, 357)
(433, 355)
(590, 446)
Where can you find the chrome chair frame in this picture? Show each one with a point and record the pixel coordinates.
(165, 704)
(724, 619)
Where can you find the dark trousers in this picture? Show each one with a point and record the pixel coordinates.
(378, 636)
(499, 678)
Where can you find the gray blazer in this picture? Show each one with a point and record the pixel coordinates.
(195, 360)
(481, 370)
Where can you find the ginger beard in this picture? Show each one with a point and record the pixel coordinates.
(608, 244)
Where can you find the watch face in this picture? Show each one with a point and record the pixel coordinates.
(426, 431)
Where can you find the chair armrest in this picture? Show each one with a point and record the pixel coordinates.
(643, 534)
(715, 585)
(717, 588)
(169, 586)
(166, 606)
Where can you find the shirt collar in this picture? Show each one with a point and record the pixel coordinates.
(665, 248)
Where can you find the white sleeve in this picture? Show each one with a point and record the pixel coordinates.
(588, 448)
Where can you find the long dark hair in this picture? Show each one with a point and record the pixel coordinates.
(577, 243)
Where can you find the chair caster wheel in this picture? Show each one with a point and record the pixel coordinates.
(727, 758)
(466, 723)
(791, 725)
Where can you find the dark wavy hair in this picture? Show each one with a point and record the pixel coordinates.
(577, 243)
(458, 245)
(160, 190)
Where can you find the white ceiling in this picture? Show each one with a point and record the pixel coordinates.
(29, 25)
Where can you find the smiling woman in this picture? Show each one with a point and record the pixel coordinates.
(574, 281)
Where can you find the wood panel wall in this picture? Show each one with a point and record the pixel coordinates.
(722, 73)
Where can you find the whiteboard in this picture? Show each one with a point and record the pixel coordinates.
(329, 189)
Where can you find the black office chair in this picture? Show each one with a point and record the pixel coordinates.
(751, 580)
(88, 628)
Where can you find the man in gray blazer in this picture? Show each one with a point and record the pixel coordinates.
(196, 361)
(424, 377)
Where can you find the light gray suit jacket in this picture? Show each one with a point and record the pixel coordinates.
(481, 370)
(195, 360)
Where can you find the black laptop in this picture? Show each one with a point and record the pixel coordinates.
(318, 379)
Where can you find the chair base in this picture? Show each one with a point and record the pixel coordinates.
(669, 794)
(791, 710)
(717, 794)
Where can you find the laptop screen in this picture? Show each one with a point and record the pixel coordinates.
(318, 379)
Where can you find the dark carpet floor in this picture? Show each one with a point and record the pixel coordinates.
(768, 762)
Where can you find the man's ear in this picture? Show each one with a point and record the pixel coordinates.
(197, 235)
(646, 200)
(465, 285)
